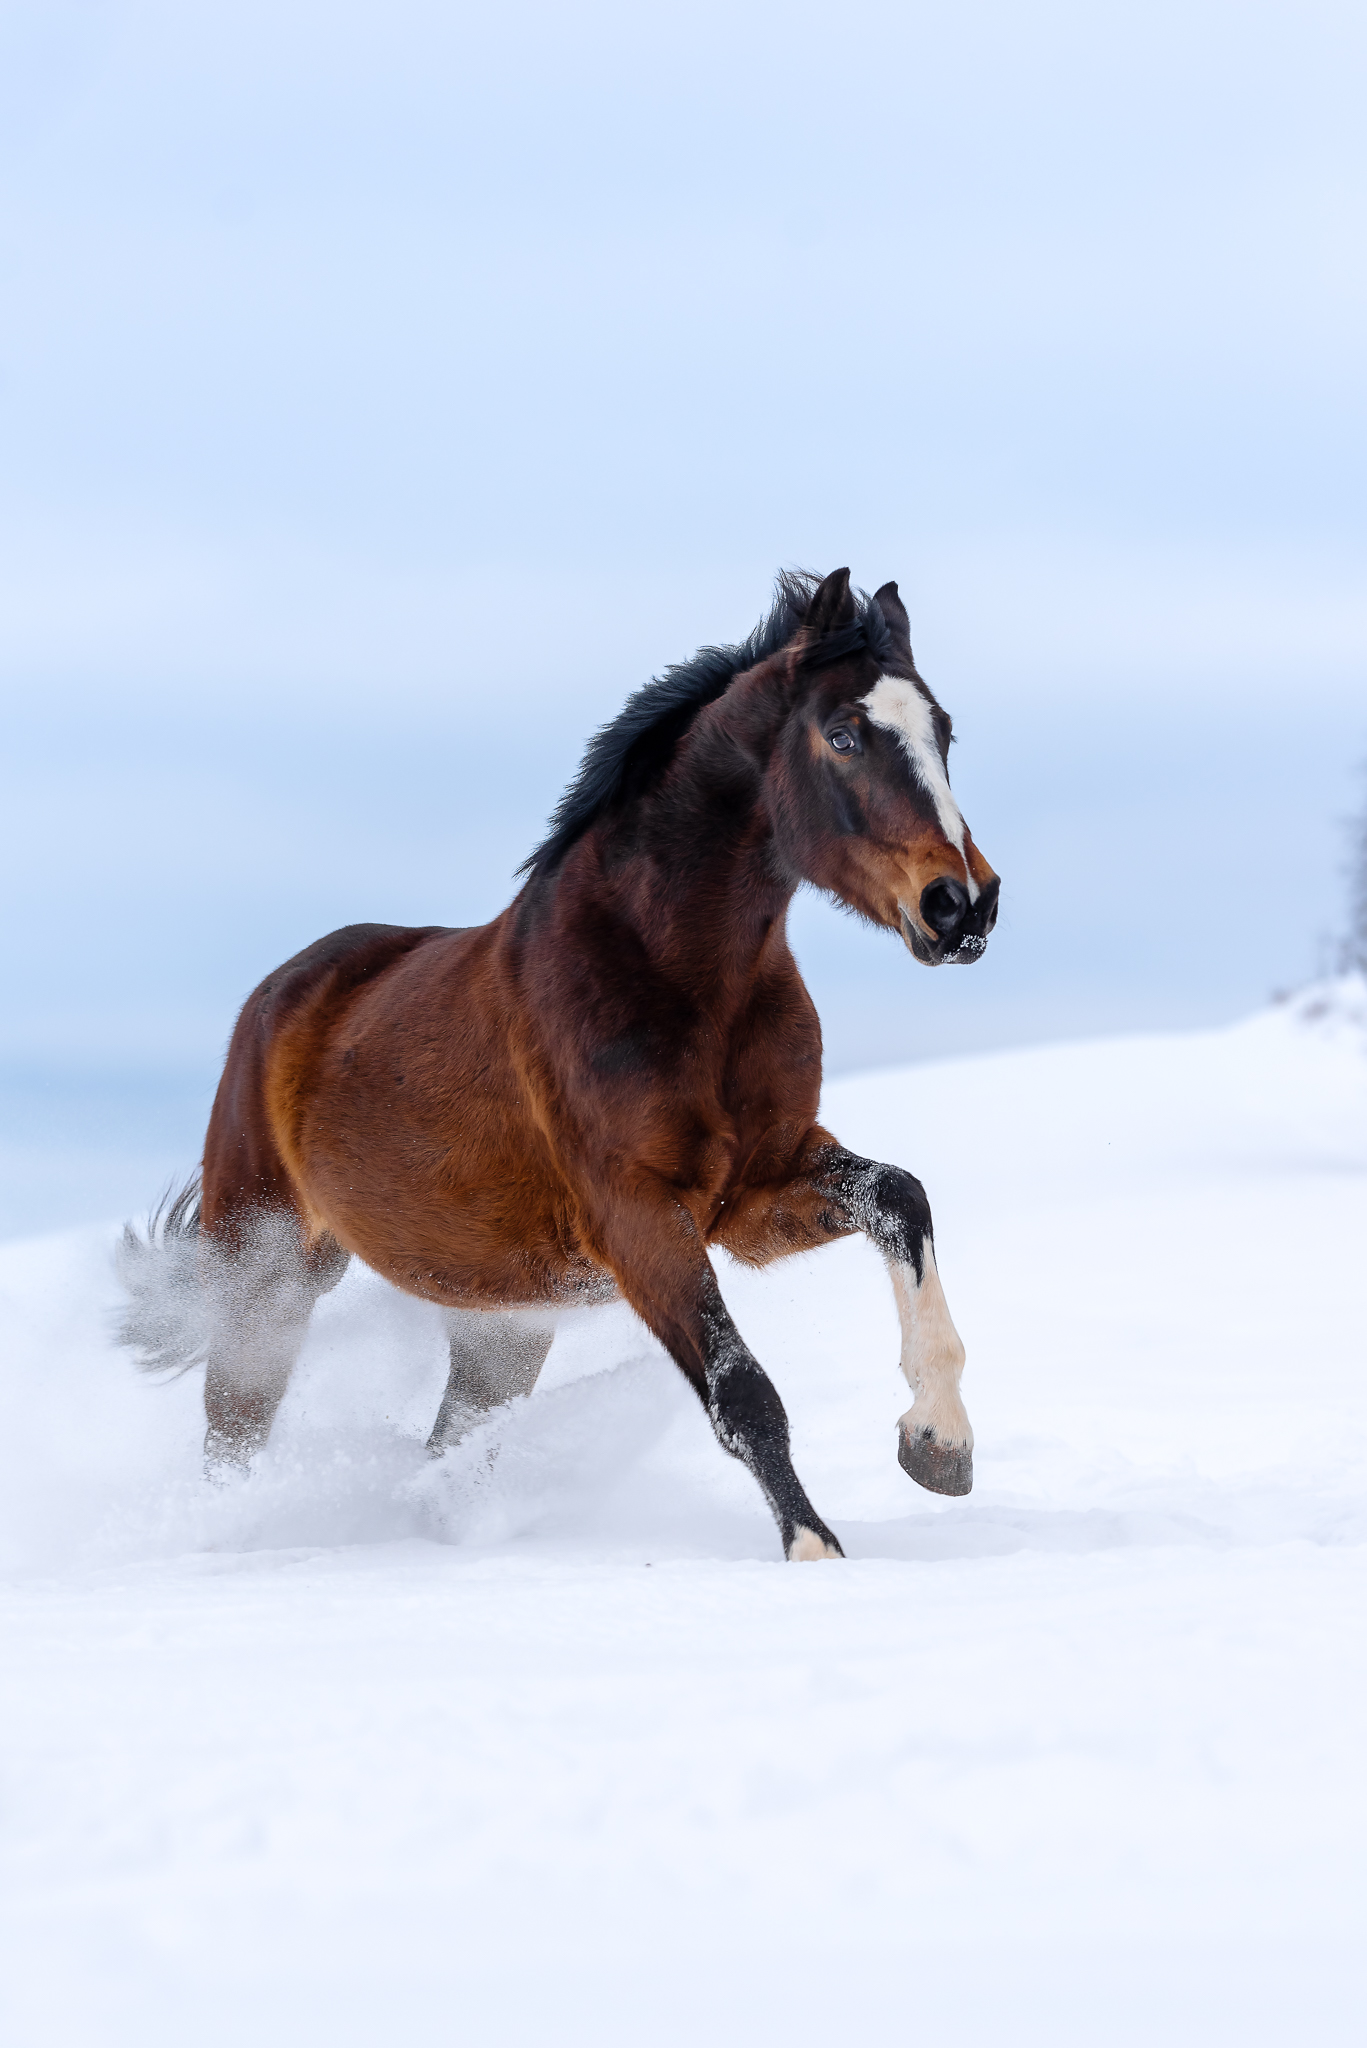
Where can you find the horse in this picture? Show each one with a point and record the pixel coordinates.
(576, 1102)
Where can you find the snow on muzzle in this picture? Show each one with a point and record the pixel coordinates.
(950, 928)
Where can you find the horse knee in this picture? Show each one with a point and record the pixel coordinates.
(905, 1217)
(890, 1206)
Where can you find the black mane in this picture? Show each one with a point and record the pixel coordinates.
(630, 752)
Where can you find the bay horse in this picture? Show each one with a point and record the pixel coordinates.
(573, 1103)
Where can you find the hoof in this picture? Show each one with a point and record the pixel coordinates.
(807, 1546)
(226, 1458)
(941, 1468)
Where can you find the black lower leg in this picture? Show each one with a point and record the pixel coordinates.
(750, 1422)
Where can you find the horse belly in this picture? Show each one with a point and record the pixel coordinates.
(493, 1240)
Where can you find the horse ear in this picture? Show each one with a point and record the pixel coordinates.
(894, 611)
(831, 606)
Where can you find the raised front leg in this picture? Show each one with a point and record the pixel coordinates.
(832, 1193)
(653, 1248)
(935, 1437)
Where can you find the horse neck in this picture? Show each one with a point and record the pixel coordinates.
(701, 885)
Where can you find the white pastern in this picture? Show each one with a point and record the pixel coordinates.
(807, 1547)
(932, 1353)
(901, 708)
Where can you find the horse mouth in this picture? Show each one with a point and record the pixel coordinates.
(916, 942)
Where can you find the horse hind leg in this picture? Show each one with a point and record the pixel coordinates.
(262, 1291)
(495, 1356)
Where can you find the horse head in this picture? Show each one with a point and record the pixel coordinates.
(854, 754)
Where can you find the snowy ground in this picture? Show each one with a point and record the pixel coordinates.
(551, 1747)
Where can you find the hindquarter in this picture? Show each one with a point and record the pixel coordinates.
(249, 1163)
(409, 1131)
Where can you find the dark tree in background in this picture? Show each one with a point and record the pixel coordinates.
(1355, 943)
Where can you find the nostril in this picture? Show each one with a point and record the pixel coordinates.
(944, 906)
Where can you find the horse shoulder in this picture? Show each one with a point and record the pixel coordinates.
(772, 1083)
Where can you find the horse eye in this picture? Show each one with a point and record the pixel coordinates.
(842, 739)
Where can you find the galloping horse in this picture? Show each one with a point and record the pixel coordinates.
(571, 1104)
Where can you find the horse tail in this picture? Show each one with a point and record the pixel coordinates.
(165, 1318)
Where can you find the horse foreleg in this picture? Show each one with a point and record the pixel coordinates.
(494, 1357)
(832, 1193)
(935, 1437)
(654, 1251)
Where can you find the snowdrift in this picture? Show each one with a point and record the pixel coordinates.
(541, 1738)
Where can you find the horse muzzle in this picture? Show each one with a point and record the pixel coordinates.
(950, 929)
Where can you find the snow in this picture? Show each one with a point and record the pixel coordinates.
(543, 1742)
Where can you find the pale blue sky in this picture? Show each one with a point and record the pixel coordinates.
(386, 390)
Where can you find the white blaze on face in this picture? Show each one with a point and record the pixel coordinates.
(902, 709)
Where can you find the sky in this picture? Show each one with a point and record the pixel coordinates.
(386, 391)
